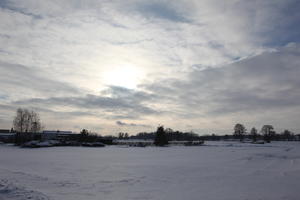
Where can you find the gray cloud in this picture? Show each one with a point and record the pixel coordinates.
(120, 102)
(120, 123)
(19, 80)
(284, 28)
(12, 7)
(161, 10)
(261, 83)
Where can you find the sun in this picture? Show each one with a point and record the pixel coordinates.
(125, 75)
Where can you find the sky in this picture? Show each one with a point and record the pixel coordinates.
(128, 66)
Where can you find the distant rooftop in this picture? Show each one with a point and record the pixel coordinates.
(56, 132)
(4, 131)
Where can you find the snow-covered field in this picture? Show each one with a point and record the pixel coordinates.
(217, 171)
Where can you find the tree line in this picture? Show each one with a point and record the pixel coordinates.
(28, 121)
(267, 133)
(170, 134)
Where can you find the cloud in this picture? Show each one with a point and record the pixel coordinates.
(256, 88)
(10, 6)
(161, 10)
(277, 23)
(19, 81)
(115, 101)
(120, 123)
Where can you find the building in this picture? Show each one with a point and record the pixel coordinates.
(7, 136)
(58, 135)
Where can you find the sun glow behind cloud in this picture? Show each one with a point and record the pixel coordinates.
(123, 75)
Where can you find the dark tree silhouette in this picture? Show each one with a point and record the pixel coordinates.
(287, 135)
(126, 136)
(27, 121)
(121, 135)
(160, 137)
(268, 132)
(170, 134)
(253, 134)
(86, 136)
(239, 131)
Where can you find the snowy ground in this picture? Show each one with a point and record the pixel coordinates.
(217, 171)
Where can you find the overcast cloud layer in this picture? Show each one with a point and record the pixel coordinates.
(113, 66)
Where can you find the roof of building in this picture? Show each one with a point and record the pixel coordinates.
(4, 131)
(57, 132)
(7, 134)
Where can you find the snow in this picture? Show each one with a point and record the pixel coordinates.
(215, 171)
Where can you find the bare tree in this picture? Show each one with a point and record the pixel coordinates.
(19, 121)
(121, 135)
(27, 121)
(253, 134)
(268, 132)
(287, 135)
(126, 136)
(35, 122)
(239, 131)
